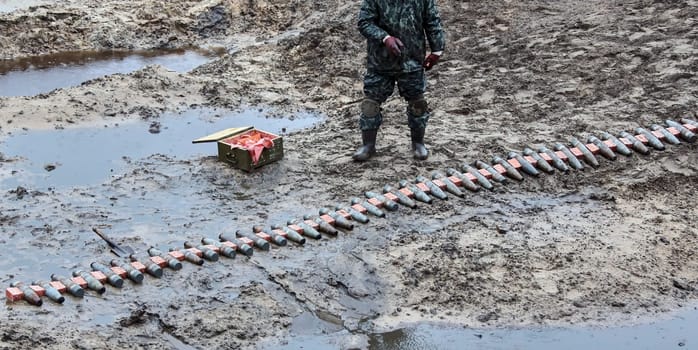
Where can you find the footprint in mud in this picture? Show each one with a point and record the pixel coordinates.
(50, 167)
(154, 128)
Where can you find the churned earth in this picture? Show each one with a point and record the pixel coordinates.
(607, 246)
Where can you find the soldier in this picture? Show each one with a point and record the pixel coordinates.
(395, 33)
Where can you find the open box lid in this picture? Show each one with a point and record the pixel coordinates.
(223, 134)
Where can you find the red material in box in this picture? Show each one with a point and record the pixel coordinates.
(246, 148)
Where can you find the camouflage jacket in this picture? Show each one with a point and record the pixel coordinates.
(408, 20)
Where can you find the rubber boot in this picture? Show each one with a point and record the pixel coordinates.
(420, 151)
(368, 149)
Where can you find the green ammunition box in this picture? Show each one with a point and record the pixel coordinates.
(238, 156)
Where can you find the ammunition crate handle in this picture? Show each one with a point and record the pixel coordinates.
(231, 158)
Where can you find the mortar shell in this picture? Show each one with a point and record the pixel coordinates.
(571, 158)
(355, 214)
(29, 294)
(207, 253)
(400, 197)
(242, 247)
(279, 240)
(586, 153)
(258, 242)
(226, 251)
(273, 237)
(73, 288)
(669, 137)
(637, 144)
(689, 121)
(112, 277)
(370, 208)
(450, 186)
(50, 292)
(133, 274)
(620, 146)
(92, 283)
(467, 183)
(338, 219)
(496, 176)
(326, 227)
(418, 194)
(291, 234)
(323, 226)
(389, 204)
(686, 134)
(151, 268)
(307, 229)
(557, 162)
(482, 180)
(651, 139)
(189, 256)
(603, 148)
(433, 188)
(541, 163)
(510, 170)
(171, 262)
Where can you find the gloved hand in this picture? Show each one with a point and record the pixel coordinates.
(394, 45)
(430, 61)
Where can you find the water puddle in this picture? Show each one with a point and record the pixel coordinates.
(675, 333)
(41, 74)
(87, 156)
(14, 5)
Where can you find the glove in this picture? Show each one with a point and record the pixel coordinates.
(394, 45)
(430, 61)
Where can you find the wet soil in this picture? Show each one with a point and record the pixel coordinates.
(598, 247)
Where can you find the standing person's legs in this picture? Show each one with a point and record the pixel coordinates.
(412, 86)
(377, 88)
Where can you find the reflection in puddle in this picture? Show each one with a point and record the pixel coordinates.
(41, 74)
(87, 156)
(675, 333)
(667, 334)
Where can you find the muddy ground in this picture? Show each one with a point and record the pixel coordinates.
(605, 246)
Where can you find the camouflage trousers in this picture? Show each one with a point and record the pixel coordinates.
(379, 86)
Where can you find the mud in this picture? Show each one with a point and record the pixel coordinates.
(598, 247)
